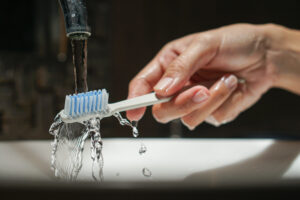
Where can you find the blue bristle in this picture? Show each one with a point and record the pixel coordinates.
(100, 107)
(100, 97)
(95, 100)
(100, 100)
(88, 103)
(86, 99)
(75, 105)
(92, 102)
(96, 108)
(73, 102)
(79, 103)
(71, 106)
(84, 103)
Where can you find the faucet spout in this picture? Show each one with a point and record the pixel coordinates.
(75, 16)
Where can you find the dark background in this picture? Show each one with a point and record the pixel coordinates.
(36, 68)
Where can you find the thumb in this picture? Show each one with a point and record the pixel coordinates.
(200, 52)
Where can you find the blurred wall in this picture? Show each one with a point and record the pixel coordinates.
(36, 68)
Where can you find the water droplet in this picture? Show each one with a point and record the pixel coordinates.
(125, 122)
(147, 172)
(143, 149)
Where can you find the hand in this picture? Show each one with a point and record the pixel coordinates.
(215, 59)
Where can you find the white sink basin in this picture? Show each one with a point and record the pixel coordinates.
(206, 161)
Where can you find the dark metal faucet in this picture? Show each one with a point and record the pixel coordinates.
(78, 31)
(75, 16)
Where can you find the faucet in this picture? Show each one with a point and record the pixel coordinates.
(78, 31)
(75, 16)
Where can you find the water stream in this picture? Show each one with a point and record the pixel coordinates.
(79, 50)
(68, 146)
(69, 139)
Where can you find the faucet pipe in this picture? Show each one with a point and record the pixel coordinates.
(75, 16)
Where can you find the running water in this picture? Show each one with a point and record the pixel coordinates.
(68, 146)
(93, 127)
(79, 49)
(69, 139)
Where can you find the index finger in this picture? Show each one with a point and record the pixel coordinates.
(142, 84)
(146, 79)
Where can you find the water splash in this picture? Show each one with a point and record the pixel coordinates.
(125, 122)
(54, 130)
(68, 146)
(93, 128)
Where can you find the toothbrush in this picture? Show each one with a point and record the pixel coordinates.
(84, 106)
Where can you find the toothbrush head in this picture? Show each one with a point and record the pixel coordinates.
(79, 107)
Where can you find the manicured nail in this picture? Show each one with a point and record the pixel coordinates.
(200, 96)
(211, 120)
(163, 84)
(231, 81)
(189, 127)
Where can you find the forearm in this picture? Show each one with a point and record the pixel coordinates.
(283, 55)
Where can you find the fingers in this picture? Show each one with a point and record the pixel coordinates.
(145, 80)
(176, 63)
(228, 111)
(219, 93)
(143, 84)
(239, 101)
(181, 105)
(198, 54)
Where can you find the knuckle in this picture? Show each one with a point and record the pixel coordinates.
(205, 38)
(271, 26)
(169, 45)
(177, 66)
(132, 84)
(137, 83)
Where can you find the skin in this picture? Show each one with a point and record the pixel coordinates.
(217, 74)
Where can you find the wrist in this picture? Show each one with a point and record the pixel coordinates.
(283, 56)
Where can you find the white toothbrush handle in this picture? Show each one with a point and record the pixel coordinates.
(137, 102)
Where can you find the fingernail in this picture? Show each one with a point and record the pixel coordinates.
(163, 84)
(231, 81)
(211, 120)
(200, 96)
(189, 127)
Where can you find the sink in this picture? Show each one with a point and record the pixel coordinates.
(200, 163)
